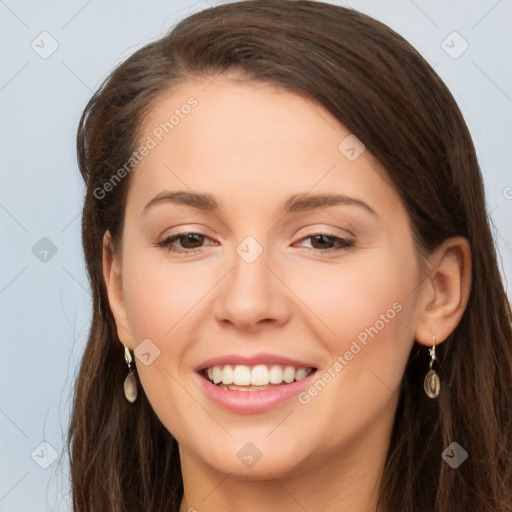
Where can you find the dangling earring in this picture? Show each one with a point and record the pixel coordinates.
(130, 384)
(432, 384)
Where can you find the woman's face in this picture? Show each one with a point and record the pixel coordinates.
(262, 242)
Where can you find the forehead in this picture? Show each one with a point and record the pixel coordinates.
(252, 140)
(229, 112)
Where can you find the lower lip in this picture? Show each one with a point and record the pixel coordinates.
(250, 402)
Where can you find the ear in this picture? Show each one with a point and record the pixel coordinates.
(112, 276)
(446, 290)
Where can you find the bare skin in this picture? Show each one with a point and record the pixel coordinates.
(252, 146)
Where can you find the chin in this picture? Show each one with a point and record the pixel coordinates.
(256, 459)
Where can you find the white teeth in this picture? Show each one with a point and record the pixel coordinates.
(227, 374)
(242, 375)
(301, 373)
(289, 374)
(260, 376)
(216, 374)
(276, 375)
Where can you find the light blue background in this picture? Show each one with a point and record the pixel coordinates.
(45, 307)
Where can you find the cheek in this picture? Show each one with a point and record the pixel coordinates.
(352, 299)
(364, 317)
(370, 317)
(161, 299)
(159, 295)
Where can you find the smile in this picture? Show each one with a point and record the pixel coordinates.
(254, 378)
(255, 384)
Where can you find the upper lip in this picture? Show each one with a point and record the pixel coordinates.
(254, 359)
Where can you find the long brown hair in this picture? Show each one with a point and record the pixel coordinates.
(369, 78)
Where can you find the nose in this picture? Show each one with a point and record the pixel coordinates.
(251, 295)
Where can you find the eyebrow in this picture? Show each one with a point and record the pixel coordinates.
(196, 200)
(304, 202)
(294, 204)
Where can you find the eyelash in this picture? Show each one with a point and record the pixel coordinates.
(167, 243)
(343, 243)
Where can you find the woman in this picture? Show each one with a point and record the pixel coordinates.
(297, 304)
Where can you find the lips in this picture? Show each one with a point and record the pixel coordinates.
(253, 384)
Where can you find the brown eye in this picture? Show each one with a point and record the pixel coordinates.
(325, 243)
(191, 240)
(322, 242)
(185, 242)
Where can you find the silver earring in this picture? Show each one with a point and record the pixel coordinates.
(432, 384)
(130, 384)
